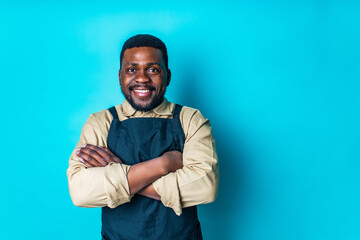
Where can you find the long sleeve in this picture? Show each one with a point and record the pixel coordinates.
(98, 186)
(197, 182)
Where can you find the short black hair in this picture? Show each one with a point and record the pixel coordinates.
(145, 40)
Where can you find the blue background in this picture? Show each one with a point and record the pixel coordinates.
(278, 80)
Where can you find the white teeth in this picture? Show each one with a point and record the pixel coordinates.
(141, 91)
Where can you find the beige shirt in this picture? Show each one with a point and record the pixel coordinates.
(196, 183)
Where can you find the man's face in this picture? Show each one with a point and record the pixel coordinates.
(143, 77)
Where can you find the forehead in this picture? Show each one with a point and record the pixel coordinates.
(142, 54)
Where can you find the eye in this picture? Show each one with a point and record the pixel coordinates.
(130, 70)
(153, 70)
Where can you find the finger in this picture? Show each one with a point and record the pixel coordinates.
(87, 164)
(106, 156)
(113, 156)
(117, 160)
(91, 156)
(108, 151)
(85, 159)
(94, 158)
(90, 161)
(82, 161)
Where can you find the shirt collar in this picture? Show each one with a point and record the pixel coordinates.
(164, 108)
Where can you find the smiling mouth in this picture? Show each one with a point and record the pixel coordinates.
(141, 90)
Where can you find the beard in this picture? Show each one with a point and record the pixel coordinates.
(155, 101)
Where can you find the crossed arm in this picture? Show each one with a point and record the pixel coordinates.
(103, 180)
(140, 176)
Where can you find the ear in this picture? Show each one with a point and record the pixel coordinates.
(168, 77)
(119, 76)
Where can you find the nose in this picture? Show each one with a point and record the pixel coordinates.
(142, 77)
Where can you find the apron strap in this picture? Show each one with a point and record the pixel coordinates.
(177, 127)
(177, 110)
(114, 113)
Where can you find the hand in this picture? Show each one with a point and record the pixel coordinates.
(173, 160)
(96, 156)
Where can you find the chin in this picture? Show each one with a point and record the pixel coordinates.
(144, 107)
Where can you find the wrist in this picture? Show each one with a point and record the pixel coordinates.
(164, 164)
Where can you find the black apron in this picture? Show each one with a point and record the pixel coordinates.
(136, 140)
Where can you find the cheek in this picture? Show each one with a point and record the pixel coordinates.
(161, 87)
(124, 82)
(160, 82)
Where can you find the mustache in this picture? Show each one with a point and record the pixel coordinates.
(142, 86)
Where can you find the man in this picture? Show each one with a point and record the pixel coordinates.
(147, 162)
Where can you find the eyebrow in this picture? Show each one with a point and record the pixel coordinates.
(149, 64)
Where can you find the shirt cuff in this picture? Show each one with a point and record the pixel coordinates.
(167, 188)
(116, 184)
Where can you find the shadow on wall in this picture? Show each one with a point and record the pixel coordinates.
(222, 219)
